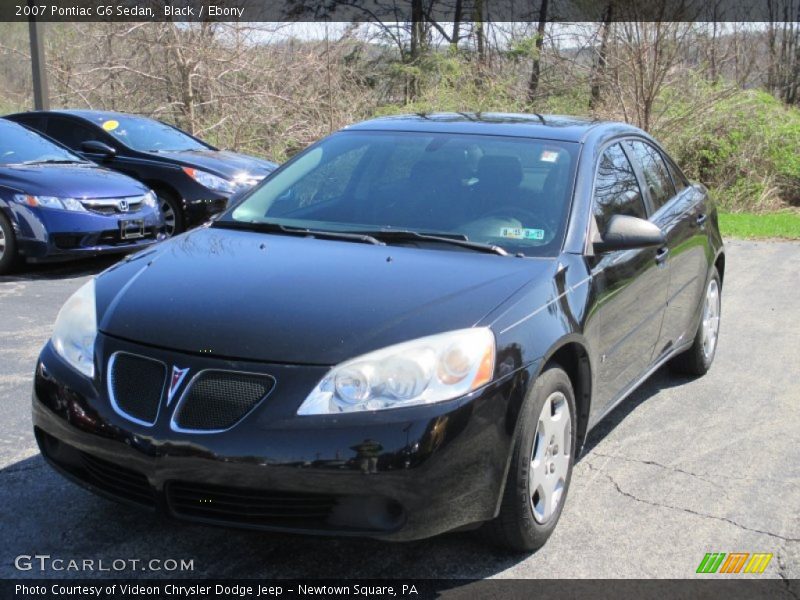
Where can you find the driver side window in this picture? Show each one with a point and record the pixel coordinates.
(616, 190)
(71, 134)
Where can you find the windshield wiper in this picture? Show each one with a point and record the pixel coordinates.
(456, 239)
(267, 227)
(56, 161)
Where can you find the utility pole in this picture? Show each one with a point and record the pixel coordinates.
(41, 92)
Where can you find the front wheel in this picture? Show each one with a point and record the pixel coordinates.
(172, 212)
(541, 466)
(697, 359)
(8, 247)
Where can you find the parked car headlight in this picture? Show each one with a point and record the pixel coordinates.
(209, 180)
(422, 371)
(50, 202)
(75, 330)
(149, 199)
(246, 180)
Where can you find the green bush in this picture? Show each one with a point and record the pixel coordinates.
(745, 148)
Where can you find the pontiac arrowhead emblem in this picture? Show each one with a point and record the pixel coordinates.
(177, 378)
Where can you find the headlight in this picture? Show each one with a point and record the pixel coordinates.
(76, 329)
(149, 199)
(245, 180)
(423, 371)
(50, 202)
(212, 182)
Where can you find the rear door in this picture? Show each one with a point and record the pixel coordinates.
(676, 213)
(630, 286)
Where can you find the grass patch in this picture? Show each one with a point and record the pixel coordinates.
(785, 225)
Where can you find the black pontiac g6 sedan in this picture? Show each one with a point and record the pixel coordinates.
(408, 328)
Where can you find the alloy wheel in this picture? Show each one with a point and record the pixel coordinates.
(170, 218)
(2, 243)
(711, 311)
(550, 457)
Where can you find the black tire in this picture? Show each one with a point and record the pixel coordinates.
(9, 257)
(170, 204)
(516, 528)
(696, 361)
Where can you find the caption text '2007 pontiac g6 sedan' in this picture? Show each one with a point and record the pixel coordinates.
(408, 328)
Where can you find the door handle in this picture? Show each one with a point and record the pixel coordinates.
(701, 218)
(662, 254)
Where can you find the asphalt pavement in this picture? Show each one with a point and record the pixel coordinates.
(681, 468)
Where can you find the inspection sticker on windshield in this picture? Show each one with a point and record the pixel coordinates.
(549, 156)
(110, 125)
(522, 233)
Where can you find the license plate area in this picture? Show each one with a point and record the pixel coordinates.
(131, 229)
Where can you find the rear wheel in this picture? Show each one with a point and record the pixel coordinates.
(172, 211)
(697, 359)
(8, 246)
(541, 466)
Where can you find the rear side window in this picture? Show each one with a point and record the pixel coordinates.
(71, 133)
(616, 190)
(677, 177)
(656, 175)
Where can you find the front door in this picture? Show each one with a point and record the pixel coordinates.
(629, 287)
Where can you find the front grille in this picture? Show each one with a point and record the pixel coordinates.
(113, 479)
(248, 506)
(136, 385)
(117, 480)
(217, 400)
(112, 206)
(112, 237)
(66, 241)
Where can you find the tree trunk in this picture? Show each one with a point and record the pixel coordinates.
(417, 41)
(599, 67)
(456, 27)
(533, 84)
(713, 75)
(480, 42)
(772, 67)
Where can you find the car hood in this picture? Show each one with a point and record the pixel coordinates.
(275, 298)
(222, 162)
(69, 181)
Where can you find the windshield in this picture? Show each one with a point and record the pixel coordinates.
(147, 135)
(508, 192)
(20, 145)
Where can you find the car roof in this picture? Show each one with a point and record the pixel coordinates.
(552, 127)
(89, 115)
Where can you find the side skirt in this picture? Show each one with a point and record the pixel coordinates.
(633, 386)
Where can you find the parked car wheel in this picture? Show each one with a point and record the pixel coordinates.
(541, 466)
(8, 246)
(697, 359)
(172, 211)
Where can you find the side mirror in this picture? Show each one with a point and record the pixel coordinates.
(625, 233)
(95, 147)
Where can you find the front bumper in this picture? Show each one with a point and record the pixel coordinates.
(49, 235)
(200, 210)
(427, 469)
